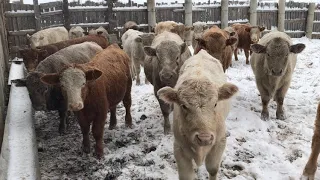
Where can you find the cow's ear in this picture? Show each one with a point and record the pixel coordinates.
(150, 51)
(51, 79)
(297, 48)
(183, 47)
(28, 36)
(92, 75)
(188, 28)
(43, 52)
(261, 28)
(258, 48)
(231, 41)
(227, 91)
(248, 29)
(138, 39)
(168, 95)
(201, 42)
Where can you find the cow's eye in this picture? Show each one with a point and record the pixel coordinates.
(215, 105)
(184, 107)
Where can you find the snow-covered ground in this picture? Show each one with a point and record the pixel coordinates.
(256, 149)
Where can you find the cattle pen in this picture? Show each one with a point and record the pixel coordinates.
(17, 117)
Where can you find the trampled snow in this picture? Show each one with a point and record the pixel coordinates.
(256, 149)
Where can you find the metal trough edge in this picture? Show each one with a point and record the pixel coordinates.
(19, 153)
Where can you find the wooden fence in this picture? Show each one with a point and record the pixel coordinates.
(21, 21)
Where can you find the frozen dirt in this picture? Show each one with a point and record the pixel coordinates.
(256, 149)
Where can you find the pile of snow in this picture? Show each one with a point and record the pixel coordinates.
(256, 149)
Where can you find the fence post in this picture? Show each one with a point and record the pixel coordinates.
(4, 56)
(66, 16)
(110, 17)
(310, 18)
(37, 14)
(253, 12)
(151, 7)
(188, 20)
(224, 14)
(281, 14)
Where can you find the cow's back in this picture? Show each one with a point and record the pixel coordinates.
(78, 53)
(114, 64)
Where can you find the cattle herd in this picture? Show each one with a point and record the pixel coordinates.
(82, 73)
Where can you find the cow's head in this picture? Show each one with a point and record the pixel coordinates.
(37, 90)
(255, 32)
(276, 55)
(214, 42)
(31, 57)
(168, 55)
(73, 82)
(197, 104)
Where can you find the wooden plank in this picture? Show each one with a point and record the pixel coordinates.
(19, 14)
(21, 33)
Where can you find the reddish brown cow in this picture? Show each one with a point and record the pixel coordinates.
(32, 57)
(93, 88)
(217, 43)
(247, 35)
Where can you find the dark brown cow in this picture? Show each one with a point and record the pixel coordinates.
(217, 43)
(247, 35)
(93, 88)
(32, 57)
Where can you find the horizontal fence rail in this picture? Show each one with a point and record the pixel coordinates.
(21, 18)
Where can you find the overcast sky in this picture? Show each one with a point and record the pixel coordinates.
(142, 1)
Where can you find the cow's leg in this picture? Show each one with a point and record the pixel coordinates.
(165, 109)
(84, 123)
(137, 70)
(246, 52)
(236, 54)
(265, 98)
(97, 132)
(213, 159)
(127, 101)
(184, 163)
(311, 166)
(113, 117)
(279, 97)
(63, 114)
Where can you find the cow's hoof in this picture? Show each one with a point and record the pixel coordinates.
(112, 126)
(281, 116)
(247, 62)
(265, 116)
(86, 149)
(167, 130)
(62, 130)
(129, 126)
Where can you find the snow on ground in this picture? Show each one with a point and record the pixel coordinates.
(255, 149)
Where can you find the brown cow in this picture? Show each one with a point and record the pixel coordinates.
(93, 88)
(311, 167)
(217, 43)
(32, 57)
(247, 35)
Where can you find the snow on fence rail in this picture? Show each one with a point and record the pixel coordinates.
(94, 16)
(19, 154)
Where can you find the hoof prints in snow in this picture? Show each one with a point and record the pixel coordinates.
(256, 149)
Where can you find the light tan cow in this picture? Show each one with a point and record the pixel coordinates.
(171, 26)
(311, 167)
(201, 105)
(273, 61)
